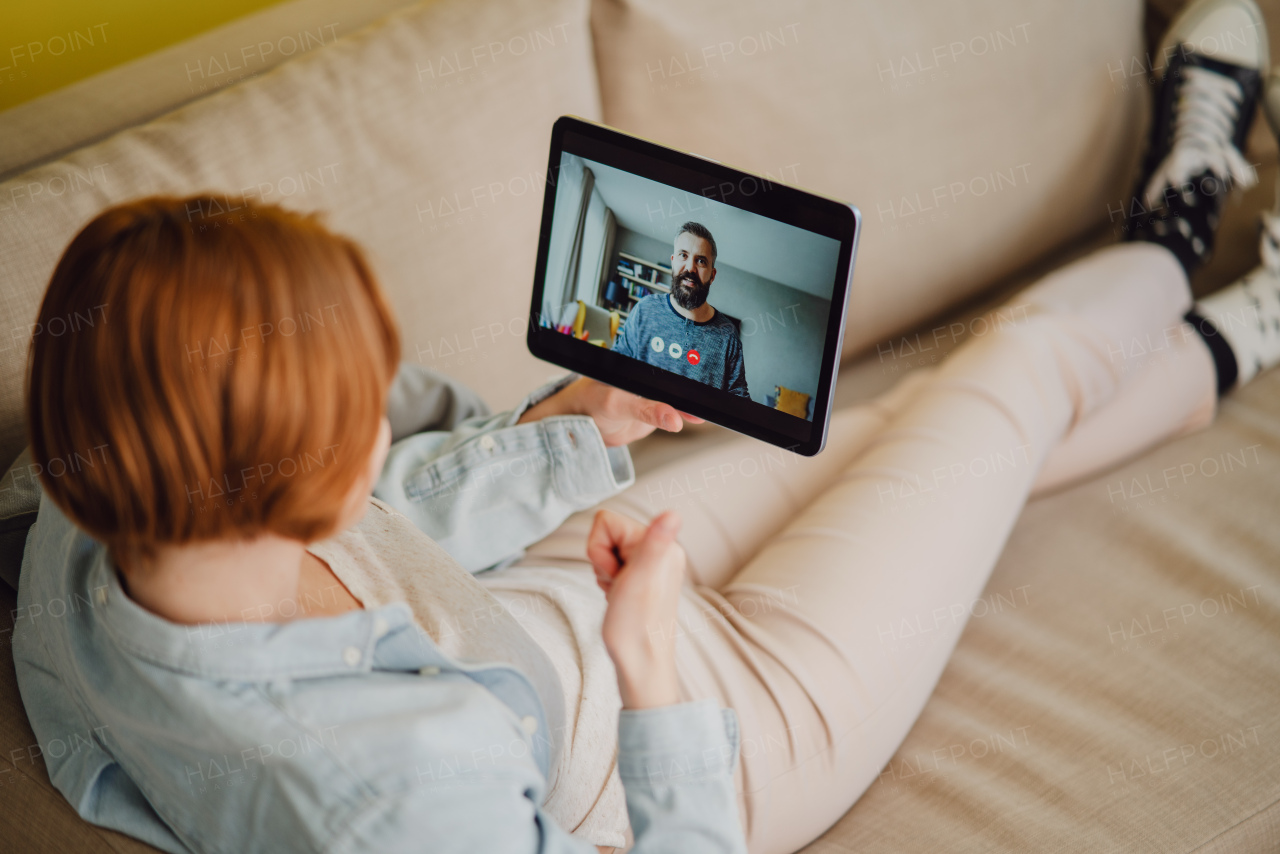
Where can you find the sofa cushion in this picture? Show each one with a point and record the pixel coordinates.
(973, 136)
(424, 137)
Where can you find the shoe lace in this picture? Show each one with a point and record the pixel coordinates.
(1271, 242)
(1264, 288)
(1208, 104)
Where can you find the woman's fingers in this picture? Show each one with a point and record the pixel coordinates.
(611, 538)
(622, 417)
(600, 547)
(638, 628)
(660, 415)
(648, 412)
(657, 539)
(623, 405)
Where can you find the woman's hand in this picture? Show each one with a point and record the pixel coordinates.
(641, 570)
(622, 417)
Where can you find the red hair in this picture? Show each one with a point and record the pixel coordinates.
(217, 376)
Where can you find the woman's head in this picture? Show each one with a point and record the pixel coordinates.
(222, 377)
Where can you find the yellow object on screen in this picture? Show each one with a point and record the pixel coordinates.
(793, 402)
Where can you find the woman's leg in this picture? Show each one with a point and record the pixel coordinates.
(806, 641)
(1164, 397)
(737, 495)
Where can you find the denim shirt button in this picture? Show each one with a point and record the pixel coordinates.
(351, 656)
(429, 670)
(529, 724)
(487, 442)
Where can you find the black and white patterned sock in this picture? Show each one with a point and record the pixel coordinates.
(1245, 317)
(1225, 365)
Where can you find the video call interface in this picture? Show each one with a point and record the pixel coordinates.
(692, 285)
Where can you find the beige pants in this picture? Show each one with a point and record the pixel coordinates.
(798, 565)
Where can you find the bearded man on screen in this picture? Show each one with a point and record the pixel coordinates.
(681, 332)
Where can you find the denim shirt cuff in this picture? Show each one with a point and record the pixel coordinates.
(586, 470)
(599, 472)
(486, 491)
(686, 740)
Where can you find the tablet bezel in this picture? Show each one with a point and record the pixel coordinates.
(699, 176)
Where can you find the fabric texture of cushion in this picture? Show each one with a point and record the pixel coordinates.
(974, 137)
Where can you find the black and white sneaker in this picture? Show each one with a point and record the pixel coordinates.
(1246, 315)
(1217, 57)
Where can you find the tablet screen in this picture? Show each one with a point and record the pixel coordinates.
(708, 287)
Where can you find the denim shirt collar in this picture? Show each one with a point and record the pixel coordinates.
(259, 651)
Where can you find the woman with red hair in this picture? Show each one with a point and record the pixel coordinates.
(248, 657)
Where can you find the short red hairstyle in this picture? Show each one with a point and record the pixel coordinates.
(216, 375)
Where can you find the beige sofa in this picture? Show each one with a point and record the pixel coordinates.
(983, 141)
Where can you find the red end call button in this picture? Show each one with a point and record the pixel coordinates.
(694, 357)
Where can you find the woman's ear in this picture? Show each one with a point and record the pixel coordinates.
(380, 447)
(357, 499)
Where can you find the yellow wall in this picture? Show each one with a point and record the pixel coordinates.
(47, 44)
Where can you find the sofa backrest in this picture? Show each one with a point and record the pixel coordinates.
(975, 137)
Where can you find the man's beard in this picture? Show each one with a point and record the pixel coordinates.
(689, 291)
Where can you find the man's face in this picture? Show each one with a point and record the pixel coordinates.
(692, 271)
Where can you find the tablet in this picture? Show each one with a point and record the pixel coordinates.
(685, 280)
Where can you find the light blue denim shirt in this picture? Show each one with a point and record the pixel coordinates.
(486, 488)
(348, 733)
